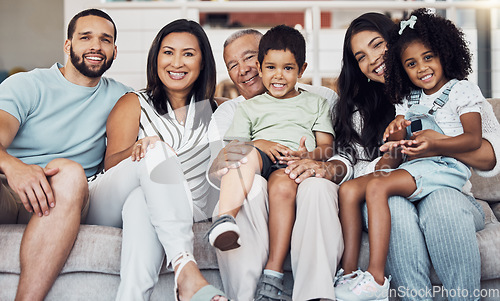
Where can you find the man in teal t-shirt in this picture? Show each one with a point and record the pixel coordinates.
(52, 139)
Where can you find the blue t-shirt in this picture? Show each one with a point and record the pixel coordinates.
(59, 119)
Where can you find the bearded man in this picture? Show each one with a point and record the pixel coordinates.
(52, 142)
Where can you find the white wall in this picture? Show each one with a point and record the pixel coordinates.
(137, 28)
(31, 33)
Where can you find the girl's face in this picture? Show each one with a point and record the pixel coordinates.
(179, 62)
(368, 48)
(423, 67)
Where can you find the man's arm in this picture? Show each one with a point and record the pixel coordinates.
(223, 156)
(28, 181)
(9, 126)
(231, 156)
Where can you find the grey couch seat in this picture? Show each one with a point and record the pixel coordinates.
(92, 271)
(489, 244)
(97, 249)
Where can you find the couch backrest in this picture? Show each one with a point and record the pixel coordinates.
(488, 189)
(495, 103)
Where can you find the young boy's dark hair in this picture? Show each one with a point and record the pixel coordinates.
(283, 37)
(437, 33)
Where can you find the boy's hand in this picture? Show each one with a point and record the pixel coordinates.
(397, 124)
(272, 149)
(300, 153)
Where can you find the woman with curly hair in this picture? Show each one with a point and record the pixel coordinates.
(442, 224)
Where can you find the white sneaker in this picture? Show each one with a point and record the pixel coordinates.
(341, 279)
(363, 288)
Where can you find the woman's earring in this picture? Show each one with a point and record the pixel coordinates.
(368, 80)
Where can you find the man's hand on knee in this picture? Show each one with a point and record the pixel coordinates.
(31, 184)
(231, 156)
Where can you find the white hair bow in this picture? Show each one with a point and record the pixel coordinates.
(410, 23)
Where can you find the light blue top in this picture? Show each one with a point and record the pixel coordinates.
(59, 119)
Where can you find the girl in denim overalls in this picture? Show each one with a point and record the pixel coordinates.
(432, 99)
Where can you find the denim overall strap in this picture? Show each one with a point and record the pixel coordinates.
(420, 120)
(443, 98)
(422, 117)
(415, 95)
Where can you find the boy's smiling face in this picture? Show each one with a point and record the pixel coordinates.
(279, 72)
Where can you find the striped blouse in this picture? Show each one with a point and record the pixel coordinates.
(190, 141)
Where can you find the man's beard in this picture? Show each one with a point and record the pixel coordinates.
(79, 63)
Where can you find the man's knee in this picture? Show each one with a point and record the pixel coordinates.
(66, 165)
(69, 184)
(68, 171)
(318, 194)
(317, 191)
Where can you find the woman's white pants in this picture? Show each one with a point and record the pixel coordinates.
(157, 220)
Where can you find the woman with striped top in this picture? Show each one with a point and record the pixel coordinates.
(172, 112)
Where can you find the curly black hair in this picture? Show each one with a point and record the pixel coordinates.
(445, 39)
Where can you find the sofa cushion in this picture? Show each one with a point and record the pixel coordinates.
(489, 240)
(496, 209)
(487, 189)
(10, 240)
(97, 249)
(489, 216)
